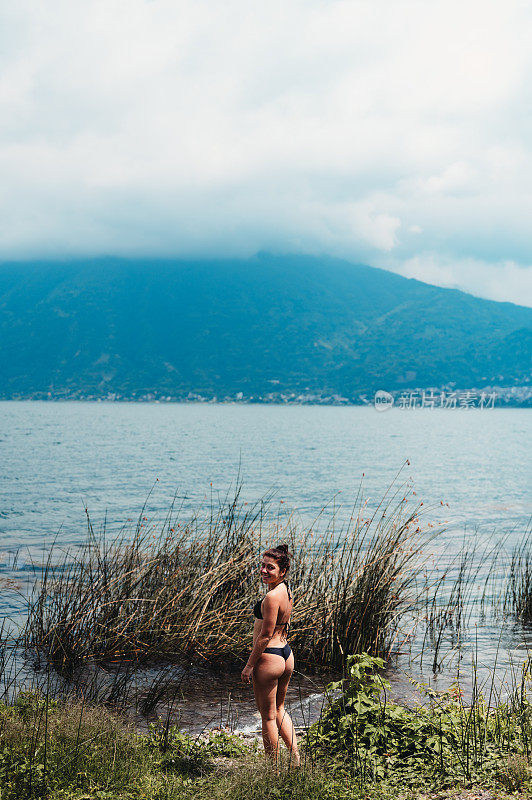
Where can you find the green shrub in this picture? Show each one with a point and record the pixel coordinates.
(442, 739)
(221, 743)
(177, 751)
(192, 755)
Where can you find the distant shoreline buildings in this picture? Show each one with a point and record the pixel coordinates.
(444, 398)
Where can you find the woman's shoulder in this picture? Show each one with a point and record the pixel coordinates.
(280, 591)
(276, 594)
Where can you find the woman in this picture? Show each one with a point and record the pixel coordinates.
(271, 662)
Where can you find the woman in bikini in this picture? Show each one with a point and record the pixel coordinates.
(271, 662)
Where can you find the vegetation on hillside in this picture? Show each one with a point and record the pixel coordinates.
(268, 326)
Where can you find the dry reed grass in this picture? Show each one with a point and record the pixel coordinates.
(188, 593)
(518, 594)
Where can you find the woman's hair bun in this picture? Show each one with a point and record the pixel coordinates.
(283, 547)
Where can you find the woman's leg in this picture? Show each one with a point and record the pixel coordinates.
(284, 723)
(265, 678)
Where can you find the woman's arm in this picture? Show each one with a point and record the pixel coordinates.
(270, 611)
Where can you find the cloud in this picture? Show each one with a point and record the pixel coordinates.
(503, 281)
(372, 130)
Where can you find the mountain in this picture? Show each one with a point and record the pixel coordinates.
(265, 326)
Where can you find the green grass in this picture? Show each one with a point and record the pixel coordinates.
(51, 749)
(363, 746)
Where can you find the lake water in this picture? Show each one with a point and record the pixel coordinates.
(57, 458)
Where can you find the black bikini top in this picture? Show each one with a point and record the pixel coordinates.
(257, 610)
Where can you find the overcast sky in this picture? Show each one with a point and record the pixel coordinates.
(388, 132)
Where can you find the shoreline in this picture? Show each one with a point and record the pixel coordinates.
(505, 400)
(119, 763)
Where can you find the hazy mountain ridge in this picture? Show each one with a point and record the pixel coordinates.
(271, 324)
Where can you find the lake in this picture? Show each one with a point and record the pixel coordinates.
(57, 458)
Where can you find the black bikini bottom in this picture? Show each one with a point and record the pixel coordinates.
(280, 651)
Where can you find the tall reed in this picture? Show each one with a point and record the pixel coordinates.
(518, 595)
(465, 586)
(186, 591)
